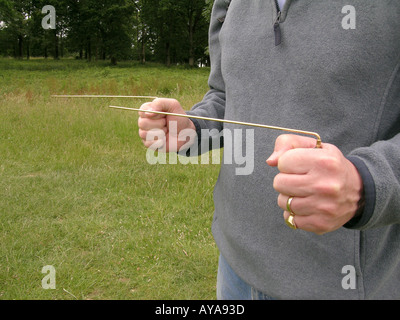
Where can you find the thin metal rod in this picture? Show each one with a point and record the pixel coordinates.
(316, 135)
(99, 96)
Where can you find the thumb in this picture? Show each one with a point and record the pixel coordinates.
(287, 142)
(161, 104)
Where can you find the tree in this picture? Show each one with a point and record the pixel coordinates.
(116, 29)
(82, 23)
(171, 31)
(15, 16)
(180, 28)
(192, 13)
(101, 28)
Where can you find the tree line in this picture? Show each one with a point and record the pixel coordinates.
(167, 31)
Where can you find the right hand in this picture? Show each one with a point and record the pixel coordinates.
(152, 126)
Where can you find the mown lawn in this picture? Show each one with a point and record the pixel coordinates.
(77, 193)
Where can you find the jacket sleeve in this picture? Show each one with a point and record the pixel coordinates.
(213, 103)
(379, 167)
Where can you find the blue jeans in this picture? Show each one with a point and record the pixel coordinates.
(231, 287)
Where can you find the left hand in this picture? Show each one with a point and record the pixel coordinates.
(325, 185)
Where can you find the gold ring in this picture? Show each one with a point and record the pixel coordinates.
(290, 222)
(288, 203)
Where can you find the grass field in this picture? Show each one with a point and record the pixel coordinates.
(77, 193)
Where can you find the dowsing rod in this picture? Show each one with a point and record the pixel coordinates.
(314, 134)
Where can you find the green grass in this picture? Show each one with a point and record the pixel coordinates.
(77, 193)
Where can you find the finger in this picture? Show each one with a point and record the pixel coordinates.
(294, 220)
(153, 139)
(143, 134)
(302, 161)
(164, 105)
(298, 161)
(287, 142)
(310, 223)
(301, 222)
(155, 144)
(148, 124)
(150, 106)
(294, 184)
(297, 205)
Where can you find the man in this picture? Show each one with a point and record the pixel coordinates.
(326, 67)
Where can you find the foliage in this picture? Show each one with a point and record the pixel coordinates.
(168, 31)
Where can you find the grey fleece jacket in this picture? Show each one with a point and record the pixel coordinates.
(341, 83)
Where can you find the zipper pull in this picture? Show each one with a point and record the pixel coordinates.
(277, 30)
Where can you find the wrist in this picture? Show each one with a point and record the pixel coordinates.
(360, 205)
(358, 189)
(365, 210)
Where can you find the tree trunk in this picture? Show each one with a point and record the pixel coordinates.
(62, 47)
(27, 50)
(20, 51)
(143, 52)
(191, 61)
(89, 49)
(56, 54)
(168, 54)
(191, 45)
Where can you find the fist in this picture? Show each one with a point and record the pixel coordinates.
(325, 185)
(162, 132)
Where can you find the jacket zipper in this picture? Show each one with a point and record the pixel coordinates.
(277, 28)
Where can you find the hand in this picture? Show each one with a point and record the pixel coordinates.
(325, 185)
(162, 132)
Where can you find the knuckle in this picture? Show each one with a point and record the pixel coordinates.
(142, 123)
(277, 182)
(145, 106)
(280, 201)
(332, 189)
(142, 134)
(153, 145)
(283, 139)
(329, 163)
(147, 144)
(155, 134)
